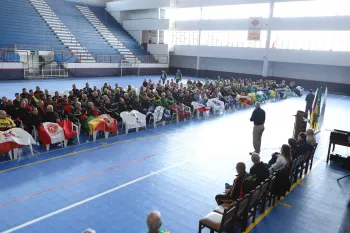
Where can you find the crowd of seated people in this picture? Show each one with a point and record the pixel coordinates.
(35, 106)
(280, 164)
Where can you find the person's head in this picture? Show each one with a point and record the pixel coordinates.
(89, 231)
(4, 99)
(292, 142)
(9, 102)
(310, 133)
(35, 111)
(137, 99)
(90, 105)
(17, 96)
(23, 104)
(37, 88)
(310, 91)
(163, 94)
(57, 94)
(286, 153)
(255, 158)
(84, 97)
(121, 101)
(41, 103)
(87, 85)
(126, 96)
(31, 92)
(2, 114)
(257, 104)
(74, 86)
(24, 90)
(154, 222)
(49, 108)
(302, 136)
(240, 167)
(95, 94)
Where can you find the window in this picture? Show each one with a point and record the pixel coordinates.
(312, 8)
(231, 39)
(185, 38)
(311, 40)
(236, 11)
(193, 13)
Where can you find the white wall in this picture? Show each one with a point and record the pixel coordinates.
(220, 52)
(146, 24)
(333, 74)
(227, 24)
(140, 14)
(158, 49)
(127, 5)
(189, 62)
(137, 35)
(90, 2)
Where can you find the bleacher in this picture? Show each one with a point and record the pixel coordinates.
(113, 25)
(23, 25)
(78, 25)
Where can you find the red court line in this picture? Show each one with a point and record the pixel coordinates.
(77, 180)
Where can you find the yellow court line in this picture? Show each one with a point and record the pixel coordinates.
(80, 151)
(268, 210)
(285, 205)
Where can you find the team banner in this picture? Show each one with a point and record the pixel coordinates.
(314, 119)
(103, 123)
(323, 109)
(14, 138)
(254, 28)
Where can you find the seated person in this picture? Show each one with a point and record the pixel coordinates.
(293, 146)
(3, 103)
(92, 110)
(11, 109)
(237, 191)
(50, 115)
(283, 159)
(17, 100)
(6, 123)
(35, 119)
(122, 106)
(154, 223)
(259, 170)
(310, 137)
(302, 146)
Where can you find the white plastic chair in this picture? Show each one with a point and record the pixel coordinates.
(157, 115)
(75, 129)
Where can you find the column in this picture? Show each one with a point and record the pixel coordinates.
(268, 39)
(197, 68)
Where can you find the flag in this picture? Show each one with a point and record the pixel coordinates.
(323, 109)
(51, 133)
(14, 138)
(67, 127)
(103, 123)
(314, 119)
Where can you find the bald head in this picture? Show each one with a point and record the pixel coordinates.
(255, 157)
(154, 221)
(257, 104)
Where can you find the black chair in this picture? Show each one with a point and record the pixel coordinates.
(311, 159)
(270, 197)
(254, 202)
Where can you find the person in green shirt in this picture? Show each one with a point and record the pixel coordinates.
(154, 223)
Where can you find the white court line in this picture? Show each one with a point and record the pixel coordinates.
(94, 197)
(342, 97)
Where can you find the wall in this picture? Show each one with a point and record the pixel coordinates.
(136, 5)
(158, 49)
(146, 24)
(140, 14)
(90, 2)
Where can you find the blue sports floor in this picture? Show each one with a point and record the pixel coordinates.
(112, 184)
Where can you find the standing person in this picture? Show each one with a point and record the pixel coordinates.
(164, 76)
(258, 117)
(178, 76)
(309, 101)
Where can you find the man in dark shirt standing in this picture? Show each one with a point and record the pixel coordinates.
(309, 101)
(258, 117)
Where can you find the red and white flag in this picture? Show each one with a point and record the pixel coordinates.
(14, 138)
(51, 133)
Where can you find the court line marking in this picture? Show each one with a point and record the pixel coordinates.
(82, 144)
(268, 210)
(78, 152)
(86, 177)
(95, 197)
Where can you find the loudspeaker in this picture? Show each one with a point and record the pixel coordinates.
(300, 123)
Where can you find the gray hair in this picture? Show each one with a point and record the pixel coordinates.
(89, 231)
(255, 157)
(154, 221)
(49, 107)
(257, 104)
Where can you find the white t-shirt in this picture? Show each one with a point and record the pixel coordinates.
(281, 162)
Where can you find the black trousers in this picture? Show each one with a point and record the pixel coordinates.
(308, 110)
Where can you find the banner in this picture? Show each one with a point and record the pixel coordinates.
(254, 28)
(14, 138)
(323, 109)
(314, 119)
(103, 123)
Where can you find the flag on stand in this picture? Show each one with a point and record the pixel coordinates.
(323, 109)
(314, 119)
(103, 123)
(14, 138)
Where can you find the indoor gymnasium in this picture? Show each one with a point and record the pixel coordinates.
(181, 116)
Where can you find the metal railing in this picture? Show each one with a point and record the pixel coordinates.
(43, 70)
